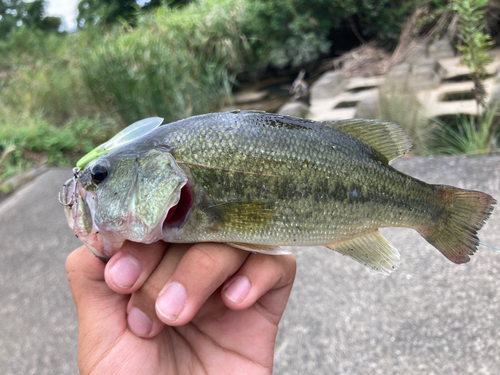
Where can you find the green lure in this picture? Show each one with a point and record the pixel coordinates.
(131, 132)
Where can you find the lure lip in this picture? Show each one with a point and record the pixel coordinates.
(136, 130)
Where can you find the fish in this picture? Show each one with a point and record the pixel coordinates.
(262, 181)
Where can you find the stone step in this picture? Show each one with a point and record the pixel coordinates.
(335, 97)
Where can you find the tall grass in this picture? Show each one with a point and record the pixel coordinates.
(470, 135)
(36, 142)
(60, 96)
(176, 63)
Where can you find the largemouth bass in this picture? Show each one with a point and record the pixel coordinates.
(259, 181)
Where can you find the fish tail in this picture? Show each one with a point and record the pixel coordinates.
(454, 233)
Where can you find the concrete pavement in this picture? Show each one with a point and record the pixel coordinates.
(430, 317)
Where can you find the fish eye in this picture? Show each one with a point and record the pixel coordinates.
(99, 173)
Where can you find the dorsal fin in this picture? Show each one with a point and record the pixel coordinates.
(388, 138)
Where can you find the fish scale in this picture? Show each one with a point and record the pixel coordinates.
(259, 181)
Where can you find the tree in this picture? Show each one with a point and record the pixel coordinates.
(107, 12)
(15, 13)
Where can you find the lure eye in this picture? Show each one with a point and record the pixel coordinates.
(99, 173)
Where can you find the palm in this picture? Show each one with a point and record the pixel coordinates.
(220, 337)
(217, 340)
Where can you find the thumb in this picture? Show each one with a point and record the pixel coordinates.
(101, 312)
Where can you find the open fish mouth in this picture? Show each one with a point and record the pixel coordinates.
(79, 207)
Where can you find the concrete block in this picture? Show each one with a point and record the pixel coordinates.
(495, 99)
(417, 53)
(441, 49)
(399, 71)
(427, 63)
(298, 109)
(424, 78)
(368, 108)
(329, 85)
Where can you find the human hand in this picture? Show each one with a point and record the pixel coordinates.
(218, 312)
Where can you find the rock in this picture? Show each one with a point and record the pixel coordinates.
(329, 85)
(368, 108)
(298, 109)
(441, 49)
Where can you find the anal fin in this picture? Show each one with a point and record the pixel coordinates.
(262, 249)
(372, 250)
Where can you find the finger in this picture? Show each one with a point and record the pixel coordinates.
(95, 303)
(201, 271)
(259, 276)
(141, 314)
(187, 280)
(128, 269)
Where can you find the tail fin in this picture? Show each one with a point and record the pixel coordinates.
(455, 232)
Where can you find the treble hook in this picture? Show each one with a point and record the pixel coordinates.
(65, 190)
(70, 203)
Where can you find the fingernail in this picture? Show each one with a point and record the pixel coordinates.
(125, 272)
(139, 323)
(238, 289)
(171, 301)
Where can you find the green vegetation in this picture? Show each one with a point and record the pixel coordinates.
(14, 13)
(297, 32)
(474, 42)
(471, 134)
(176, 63)
(34, 142)
(464, 137)
(63, 94)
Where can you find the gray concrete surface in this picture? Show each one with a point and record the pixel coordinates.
(430, 317)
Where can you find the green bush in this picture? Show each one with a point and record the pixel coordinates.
(42, 76)
(34, 141)
(469, 135)
(296, 32)
(176, 63)
(56, 89)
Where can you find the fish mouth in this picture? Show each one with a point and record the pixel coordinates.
(79, 207)
(178, 213)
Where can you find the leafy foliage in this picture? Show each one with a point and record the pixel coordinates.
(471, 134)
(108, 12)
(35, 141)
(475, 43)
(296, 32)
(174, 64)
(15, 13)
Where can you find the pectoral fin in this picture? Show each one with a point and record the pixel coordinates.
(263, 249)
(242, 217)
(372, 250)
